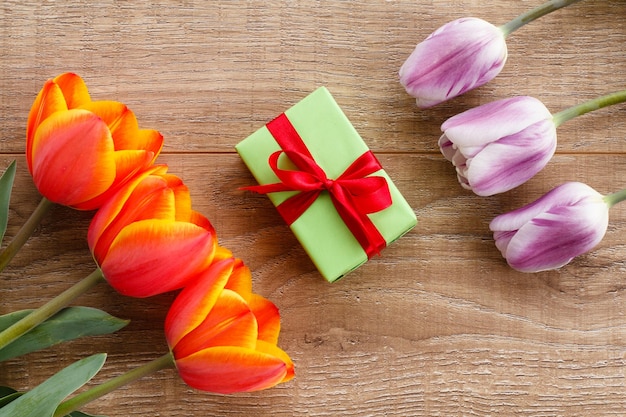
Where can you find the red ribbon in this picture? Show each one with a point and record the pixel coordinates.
(354, 193)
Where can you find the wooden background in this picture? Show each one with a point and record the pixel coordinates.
(436, 326)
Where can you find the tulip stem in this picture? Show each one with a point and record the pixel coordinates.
(25, 232)
(534, 14)
(49, 309)
(588, 106)
(78, 401)
(613, 199)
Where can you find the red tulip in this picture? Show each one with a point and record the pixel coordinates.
(79, 151)
(146, 238)
(222, 336)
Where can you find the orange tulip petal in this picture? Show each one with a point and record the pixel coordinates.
(227, 370)
(151, 257)
(124, 127)
(151, 199)
(116, 115)
(148, 139)
(129, 162)
(229, 323)
(72, 157)
(195, 301)
(127, 165)
(273, 350)
(222, 253)
(240, 280)
(109, 211)
(182, 198)
(267, 317)
(49, 100)
(74, 89)
(199, 220)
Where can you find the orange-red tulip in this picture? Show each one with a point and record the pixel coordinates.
(79, 151)
(147, 239)
(222, 336)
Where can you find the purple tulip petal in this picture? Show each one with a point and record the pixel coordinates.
(447, 148)
(457, 57)
(553, 239)
(508, 163)
(502, 240)
(548, 233)
(569, 193)
(499, 145)
(491, 121)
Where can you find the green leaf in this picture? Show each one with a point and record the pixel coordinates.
(6, 185)
(8, 319)
(8, 398)
(4, 391)
(68, 324)
(7, 395)
(43, 400)
(81, 414)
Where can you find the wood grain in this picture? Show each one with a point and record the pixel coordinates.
(436, 326)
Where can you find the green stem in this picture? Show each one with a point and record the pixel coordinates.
(75, 403)
(591, 105)
(25, 232)
(47, 310)
(615, 198)
(534, 14)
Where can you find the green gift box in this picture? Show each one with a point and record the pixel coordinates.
(337, 199)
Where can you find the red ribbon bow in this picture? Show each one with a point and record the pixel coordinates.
(353, 193)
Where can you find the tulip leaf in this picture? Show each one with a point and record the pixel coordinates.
(6, 185)
(7, 395)
(8, 319)
(4, 391)
(43, 400)
(81, 414)
(8, 398)
(68, 324)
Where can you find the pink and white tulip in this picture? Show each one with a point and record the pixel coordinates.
(459, 56)
(548, 233)
(499, 145)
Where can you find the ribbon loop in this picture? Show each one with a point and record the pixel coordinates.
(355, 193)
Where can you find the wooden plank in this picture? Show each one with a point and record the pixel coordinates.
(437, 324)
(208, 74)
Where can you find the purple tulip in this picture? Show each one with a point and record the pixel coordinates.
(548, 233)
(499, 145)
(459, 56)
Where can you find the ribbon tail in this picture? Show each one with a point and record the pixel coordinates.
(362, 228)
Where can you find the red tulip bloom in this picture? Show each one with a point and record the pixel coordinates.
(222, 336)
(146, 238)
(79, 151)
